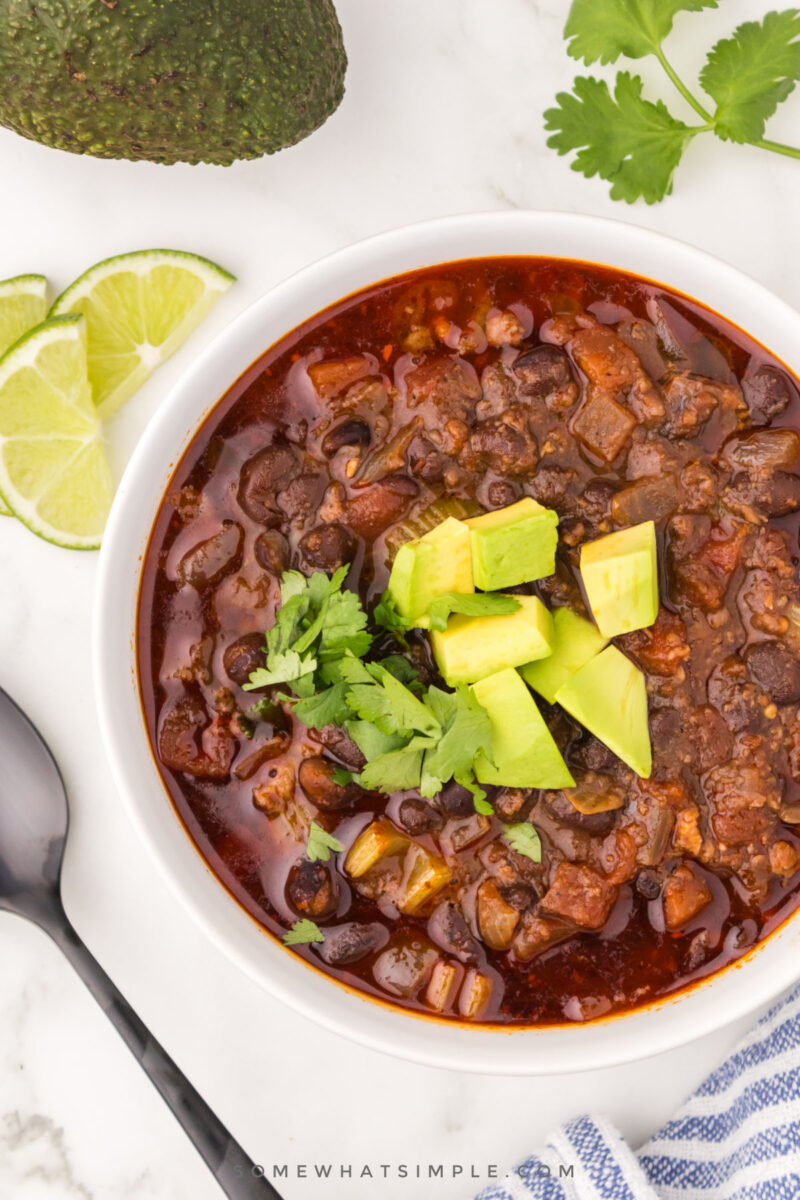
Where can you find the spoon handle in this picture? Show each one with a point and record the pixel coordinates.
(233, 1170)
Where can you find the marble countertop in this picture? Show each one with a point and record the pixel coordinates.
(442, 115)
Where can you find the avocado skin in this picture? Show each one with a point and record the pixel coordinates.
(194, 81)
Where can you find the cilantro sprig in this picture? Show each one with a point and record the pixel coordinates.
(303, 932)
(317, 623)
(320, 843)
(412, 737)
(523, 838)
(636, 143)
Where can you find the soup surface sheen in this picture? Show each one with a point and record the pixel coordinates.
(468, 386)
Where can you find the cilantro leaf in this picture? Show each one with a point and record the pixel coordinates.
(523, 838)
(466, 731)
(751, 72)
(316, 624)
(303, 932)
(482, 805)
(284, 667)
(370, 741)
(634, 144)
(391, 706)
(328, 707)
(398, 770)
(320, 843)
(472, 604)
(386, 615)
(604, 29)
(344, 628)
(342, 777)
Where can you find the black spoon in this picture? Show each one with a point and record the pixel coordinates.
(34, 816)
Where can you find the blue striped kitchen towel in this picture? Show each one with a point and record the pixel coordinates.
(736, 1138)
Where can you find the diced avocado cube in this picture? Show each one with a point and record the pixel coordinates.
(609, 697)
(523, 751)
(513, 545)
(620, 575)
(437, 562)
(473, 647)
(576, 640)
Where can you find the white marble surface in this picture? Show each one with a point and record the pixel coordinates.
(442, 115)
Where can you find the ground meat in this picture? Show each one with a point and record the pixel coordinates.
(273, 794)
(513, 804)
(551, 485)
(499, 446)
(662, 649)
(685, 895)
(650, 458)
(757, 497)
(704, 574)
(776, 670)
(700, 487)
(691, 399)
(181, 748)
(580, 894)
(450, 384)
(686, 836)
(709, 739)
(504, 328)
(767, 392)
(733, 695)
(544, 374)
(743, 799)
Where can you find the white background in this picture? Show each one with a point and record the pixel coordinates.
(442, 115)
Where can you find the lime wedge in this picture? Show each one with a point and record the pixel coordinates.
(23, 304)
(139, 308)
(53, 471)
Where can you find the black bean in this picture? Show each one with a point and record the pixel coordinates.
(348, 433)
(244, 656)
(272, 551)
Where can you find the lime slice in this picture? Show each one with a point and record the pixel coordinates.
(139, 308)
(53, 471)
(23, 304)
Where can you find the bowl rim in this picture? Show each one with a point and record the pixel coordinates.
(658, 1026)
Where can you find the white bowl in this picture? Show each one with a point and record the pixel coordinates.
(755, 979)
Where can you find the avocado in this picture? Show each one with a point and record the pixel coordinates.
(575, 641)
(609, 697)
(523, 749)
(620, 575)
(437, 562)
(513, 545)
(473, 647)
(145, 79)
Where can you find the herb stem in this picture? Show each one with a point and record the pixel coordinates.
(682, 88)
(777, 148)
